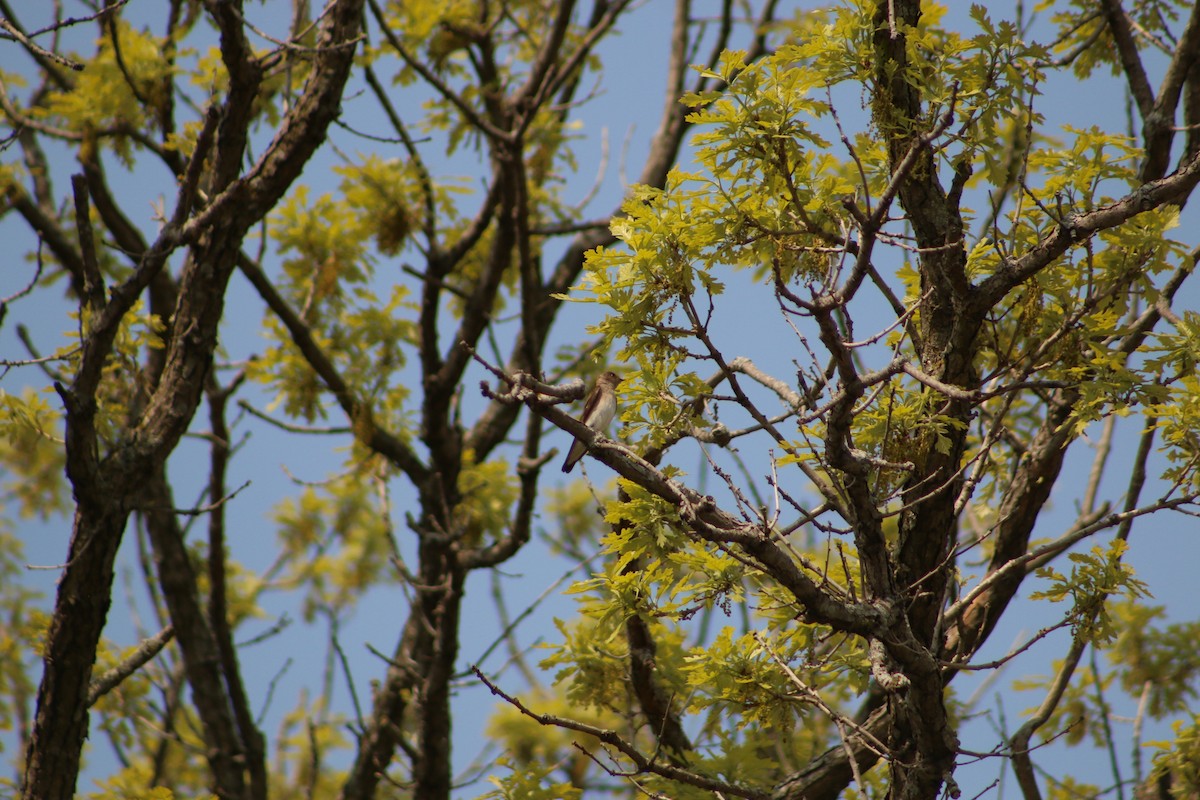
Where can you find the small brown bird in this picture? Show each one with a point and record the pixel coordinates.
(598, 413)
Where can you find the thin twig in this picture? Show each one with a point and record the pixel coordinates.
(145, 651)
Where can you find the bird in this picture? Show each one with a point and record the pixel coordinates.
(598, 413)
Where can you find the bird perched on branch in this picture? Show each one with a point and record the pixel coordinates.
(598, 413)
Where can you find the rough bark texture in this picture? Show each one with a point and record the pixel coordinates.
(923, 743)
(109, 485)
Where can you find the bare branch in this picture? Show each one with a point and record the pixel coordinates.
(148, 649)
(641, 763)
(41, 52)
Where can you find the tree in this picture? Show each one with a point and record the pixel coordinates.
(962, 301)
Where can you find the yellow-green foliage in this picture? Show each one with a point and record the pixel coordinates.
(134, 699)
(1160, 659)
(1069, 787)
(328, 274)
(1179, 420)
(577, 525)
(111, 94)
(382, 192)
(308, 735)
(131, 784)
(774, 197)
(32, 455)
(1095, 576)
(123, 384)
(189, 775)
(31, 445)
(488, 491)
(543, 753)
(335, 540)
(529, 782)
(1180, 757)
(23, 626)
